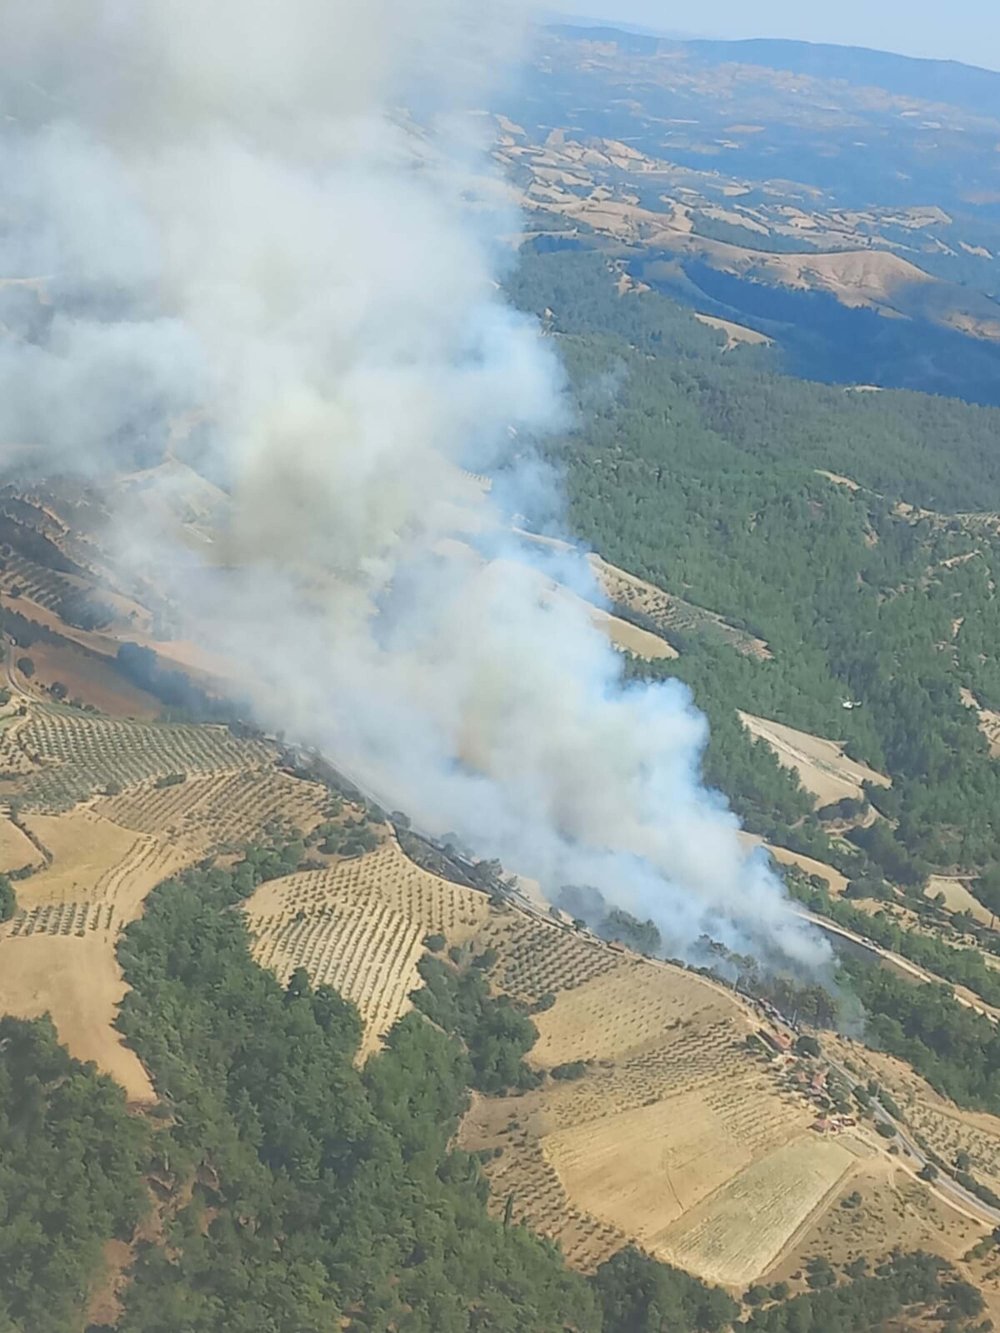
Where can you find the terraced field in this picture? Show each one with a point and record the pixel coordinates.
(212, 809)
(672, 1134)
(359, 926)
(97, 862)
(73, 755)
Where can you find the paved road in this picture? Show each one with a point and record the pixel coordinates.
(963, 996)
(912, 1156)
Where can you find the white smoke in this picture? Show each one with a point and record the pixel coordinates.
(239, 245)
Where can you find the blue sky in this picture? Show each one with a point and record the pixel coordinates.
(966, 30)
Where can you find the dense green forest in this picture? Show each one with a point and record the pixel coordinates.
(701, 470)
(70, 1160)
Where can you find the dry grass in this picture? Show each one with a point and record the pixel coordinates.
(836, 882)
(735, 333)
(823, 768)
(957, 897)
(16, 851)
(79, 983)
(641, 1170)
(889, 1210)
(522, 1175)
(671, 1115)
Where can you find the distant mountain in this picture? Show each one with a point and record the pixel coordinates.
(943, 81)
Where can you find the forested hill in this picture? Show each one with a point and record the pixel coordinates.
(703, 471)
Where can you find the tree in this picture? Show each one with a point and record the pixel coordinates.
(8, 899)
(928, 1172)
(26, 666)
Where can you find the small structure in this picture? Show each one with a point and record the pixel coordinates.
(777, 1041)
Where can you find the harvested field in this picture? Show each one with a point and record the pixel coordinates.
(894, 1211)
(99, 876)
(83, 848)
(671, 1112)
(642, 1170)
(359, 926)
(79, 983)
(521, 1171)
(739, 1232)
(823, 768)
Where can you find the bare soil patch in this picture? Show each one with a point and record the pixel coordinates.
(90, 678)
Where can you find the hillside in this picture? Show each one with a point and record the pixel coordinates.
(649, 1109)
(841, 203)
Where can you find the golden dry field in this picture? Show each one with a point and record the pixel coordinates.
(741, 1230)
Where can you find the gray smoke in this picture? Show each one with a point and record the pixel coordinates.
(223, 240)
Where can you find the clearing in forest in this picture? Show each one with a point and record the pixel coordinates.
(79, 983)
(823, 767)
(735, 333)
(835, 880)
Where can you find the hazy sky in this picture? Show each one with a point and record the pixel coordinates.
(966, 30)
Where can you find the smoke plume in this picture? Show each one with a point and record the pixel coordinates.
(259, 239)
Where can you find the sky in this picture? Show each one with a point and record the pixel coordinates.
(966, 30)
